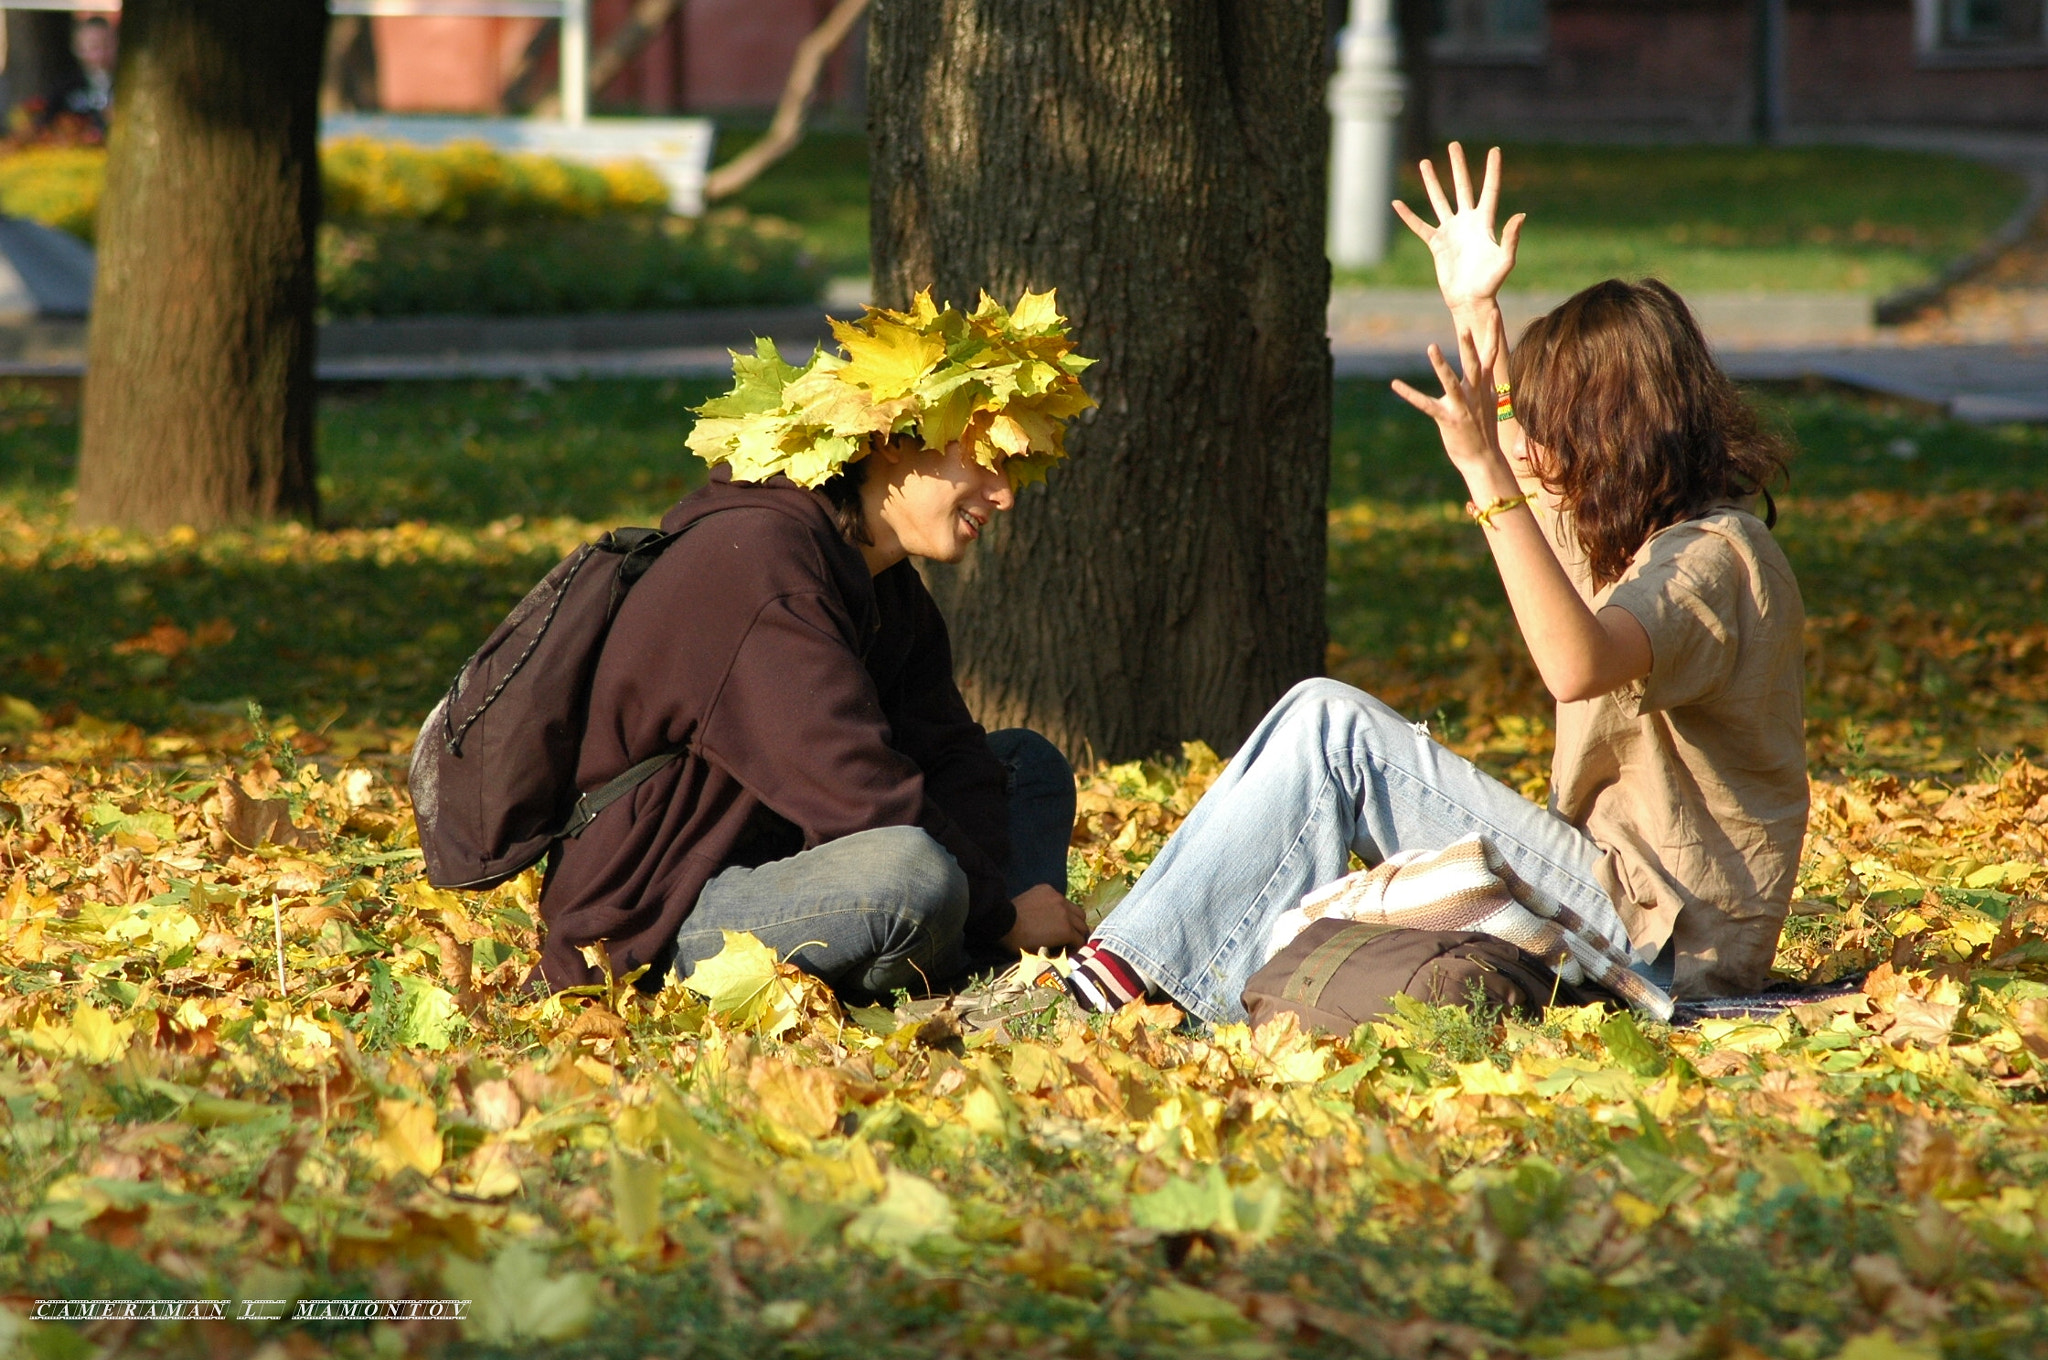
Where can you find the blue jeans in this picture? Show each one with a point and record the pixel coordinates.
(1329, 771)
(883, 910)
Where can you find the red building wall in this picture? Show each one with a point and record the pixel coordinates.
(737, 52)
(1853, 62)
(447, 65)
(714, 55)
(1677, 70)
(1684, 70)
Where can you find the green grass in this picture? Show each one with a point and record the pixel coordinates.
(447, 500)
(1721, 218)
(470, 453)
(822, 186)
(613, 264)
(1730, 218)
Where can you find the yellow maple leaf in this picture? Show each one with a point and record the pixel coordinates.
(1035, 311)
(889, 361)
(740, 985)
(406, 1137)
(636, 1199)
(91, 1036)
(802, 1099)
(1008, 435)
(911, 1212)
(492, 1174)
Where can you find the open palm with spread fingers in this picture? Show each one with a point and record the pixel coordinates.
(1463, 417)
(1470, 263)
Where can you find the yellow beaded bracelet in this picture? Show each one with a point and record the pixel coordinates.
(1499, 507)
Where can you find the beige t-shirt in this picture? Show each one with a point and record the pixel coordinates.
(1693, 779)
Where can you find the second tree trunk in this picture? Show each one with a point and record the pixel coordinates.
(1161, 163)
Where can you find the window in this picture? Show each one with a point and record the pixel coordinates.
(1980, 32)
(1491, 30)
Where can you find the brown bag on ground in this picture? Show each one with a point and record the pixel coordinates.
(1338, 974)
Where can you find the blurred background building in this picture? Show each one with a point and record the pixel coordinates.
(1679, 70)
(702, 56)
(1717, 70)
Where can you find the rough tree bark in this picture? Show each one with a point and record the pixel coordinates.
(1160, 162)
(199, 383)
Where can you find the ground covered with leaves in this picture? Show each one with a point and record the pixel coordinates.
(247, 1055)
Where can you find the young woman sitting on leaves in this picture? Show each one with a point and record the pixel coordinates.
(1616, 477)
(836, 798)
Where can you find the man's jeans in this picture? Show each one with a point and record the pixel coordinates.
(883, 909)
(1329, 771)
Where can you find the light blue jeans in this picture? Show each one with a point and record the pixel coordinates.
(1329, 771)
(885, 909)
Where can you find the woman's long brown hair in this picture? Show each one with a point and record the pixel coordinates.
(1638, 427)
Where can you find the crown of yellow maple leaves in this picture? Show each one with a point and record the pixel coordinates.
(1002, 381)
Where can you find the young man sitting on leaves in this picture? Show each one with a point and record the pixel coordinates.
(836, 798)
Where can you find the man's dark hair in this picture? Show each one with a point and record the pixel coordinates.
(842, 488)
(1638, 427)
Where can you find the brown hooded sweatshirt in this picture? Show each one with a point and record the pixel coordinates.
(815, 701)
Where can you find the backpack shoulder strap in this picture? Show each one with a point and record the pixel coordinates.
(611, 791)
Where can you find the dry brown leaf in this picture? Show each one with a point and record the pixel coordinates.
(1919, 1021)
(243, 822)
(1882, 1284)
(496, 1105)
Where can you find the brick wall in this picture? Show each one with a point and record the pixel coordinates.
(447, 65)
(737, 52)
(715, 55)
(1852, 62)
(1682, 70)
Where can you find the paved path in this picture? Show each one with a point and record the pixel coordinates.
(1373, 333)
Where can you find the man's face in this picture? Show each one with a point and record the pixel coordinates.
(94, 47)
(936, 504)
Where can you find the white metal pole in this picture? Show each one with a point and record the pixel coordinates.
(1366, 96)
(575, 50)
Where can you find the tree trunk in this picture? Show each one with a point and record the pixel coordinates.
(1160, 162)
(199, 379)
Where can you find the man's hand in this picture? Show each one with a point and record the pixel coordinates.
(1045, 920)
(1470, 264)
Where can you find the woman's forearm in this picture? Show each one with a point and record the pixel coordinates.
(1483, 320)
(1578, 653)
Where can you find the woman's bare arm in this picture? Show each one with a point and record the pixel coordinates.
(1580, 654)
(1471, 265)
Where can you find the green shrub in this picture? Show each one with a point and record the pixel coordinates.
(615, 263)
(466, 183)
(365, 182)
(58, 186)
(467, 229)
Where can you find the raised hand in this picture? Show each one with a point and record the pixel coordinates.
(1471, 264)
(1464, 413)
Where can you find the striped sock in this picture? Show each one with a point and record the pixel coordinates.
(1101, 981)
